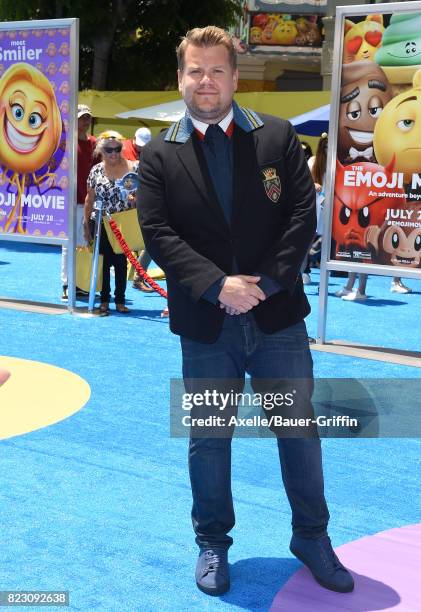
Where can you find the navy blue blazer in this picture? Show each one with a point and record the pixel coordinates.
(186, 233)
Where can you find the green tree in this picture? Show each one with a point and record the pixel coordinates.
(111, 55)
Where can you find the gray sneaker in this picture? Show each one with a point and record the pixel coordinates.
(320, 558)
(212, 571)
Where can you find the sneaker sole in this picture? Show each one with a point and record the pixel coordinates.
(214, 592)
(320, 581)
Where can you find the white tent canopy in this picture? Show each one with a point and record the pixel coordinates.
(168, 112)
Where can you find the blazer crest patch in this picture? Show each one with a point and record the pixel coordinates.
(272, 184)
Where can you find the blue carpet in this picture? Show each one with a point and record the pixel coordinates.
(99, 503)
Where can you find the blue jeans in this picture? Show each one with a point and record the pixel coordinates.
(240, 348)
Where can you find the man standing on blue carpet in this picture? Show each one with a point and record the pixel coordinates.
(227, 208)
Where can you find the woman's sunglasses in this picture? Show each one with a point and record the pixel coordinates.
(110, 150)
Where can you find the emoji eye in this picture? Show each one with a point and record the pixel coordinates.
(405, 125)
(373, 38)
(375, 107)
(364, 216)
(410, 47)
(417, 243)
(18, 112)
(395, 240)
(35, 120)
(353, 110)
(354, 44)
(344, 215)
(375, 111)
(354, 115)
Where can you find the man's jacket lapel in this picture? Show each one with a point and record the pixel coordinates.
(194, 164)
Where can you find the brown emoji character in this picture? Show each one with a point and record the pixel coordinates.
(365, 91)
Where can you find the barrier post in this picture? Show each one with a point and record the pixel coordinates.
(98, 207)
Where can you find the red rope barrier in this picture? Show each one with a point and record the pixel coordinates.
(133, 260)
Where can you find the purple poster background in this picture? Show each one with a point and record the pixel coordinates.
(34, 128)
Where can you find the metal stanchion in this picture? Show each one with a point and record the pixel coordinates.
(98, 208)
(90, 312)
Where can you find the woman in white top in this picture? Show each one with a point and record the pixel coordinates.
(102, 185)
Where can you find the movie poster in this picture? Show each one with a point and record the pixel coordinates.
(285, 30)
(35, 77)
(377, 187)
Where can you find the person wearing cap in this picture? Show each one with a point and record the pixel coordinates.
(85, 161)
(132, 150)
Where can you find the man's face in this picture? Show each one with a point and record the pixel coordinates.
(207, 82)
(84, 123)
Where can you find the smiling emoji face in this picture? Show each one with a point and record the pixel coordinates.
(365, 91)
(30, 121)
(400, 52)
(398, 131)
(285, 33)
(362, 39)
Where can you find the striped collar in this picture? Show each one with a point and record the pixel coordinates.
(228, 132)
(202, 127)
(181, 131)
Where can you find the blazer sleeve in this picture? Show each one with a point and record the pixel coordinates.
(193, 272)
(283, 259)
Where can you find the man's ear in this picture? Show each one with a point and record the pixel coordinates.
(235, 79)
(179, 77)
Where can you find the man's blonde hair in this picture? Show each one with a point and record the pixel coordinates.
(210, 36)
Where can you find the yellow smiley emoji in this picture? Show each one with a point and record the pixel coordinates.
(30, 120)
(398, 131)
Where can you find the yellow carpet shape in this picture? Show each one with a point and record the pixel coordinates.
(37, 395)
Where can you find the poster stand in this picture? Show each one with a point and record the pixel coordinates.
(98, 207)
(365, 262)
(37, 201)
